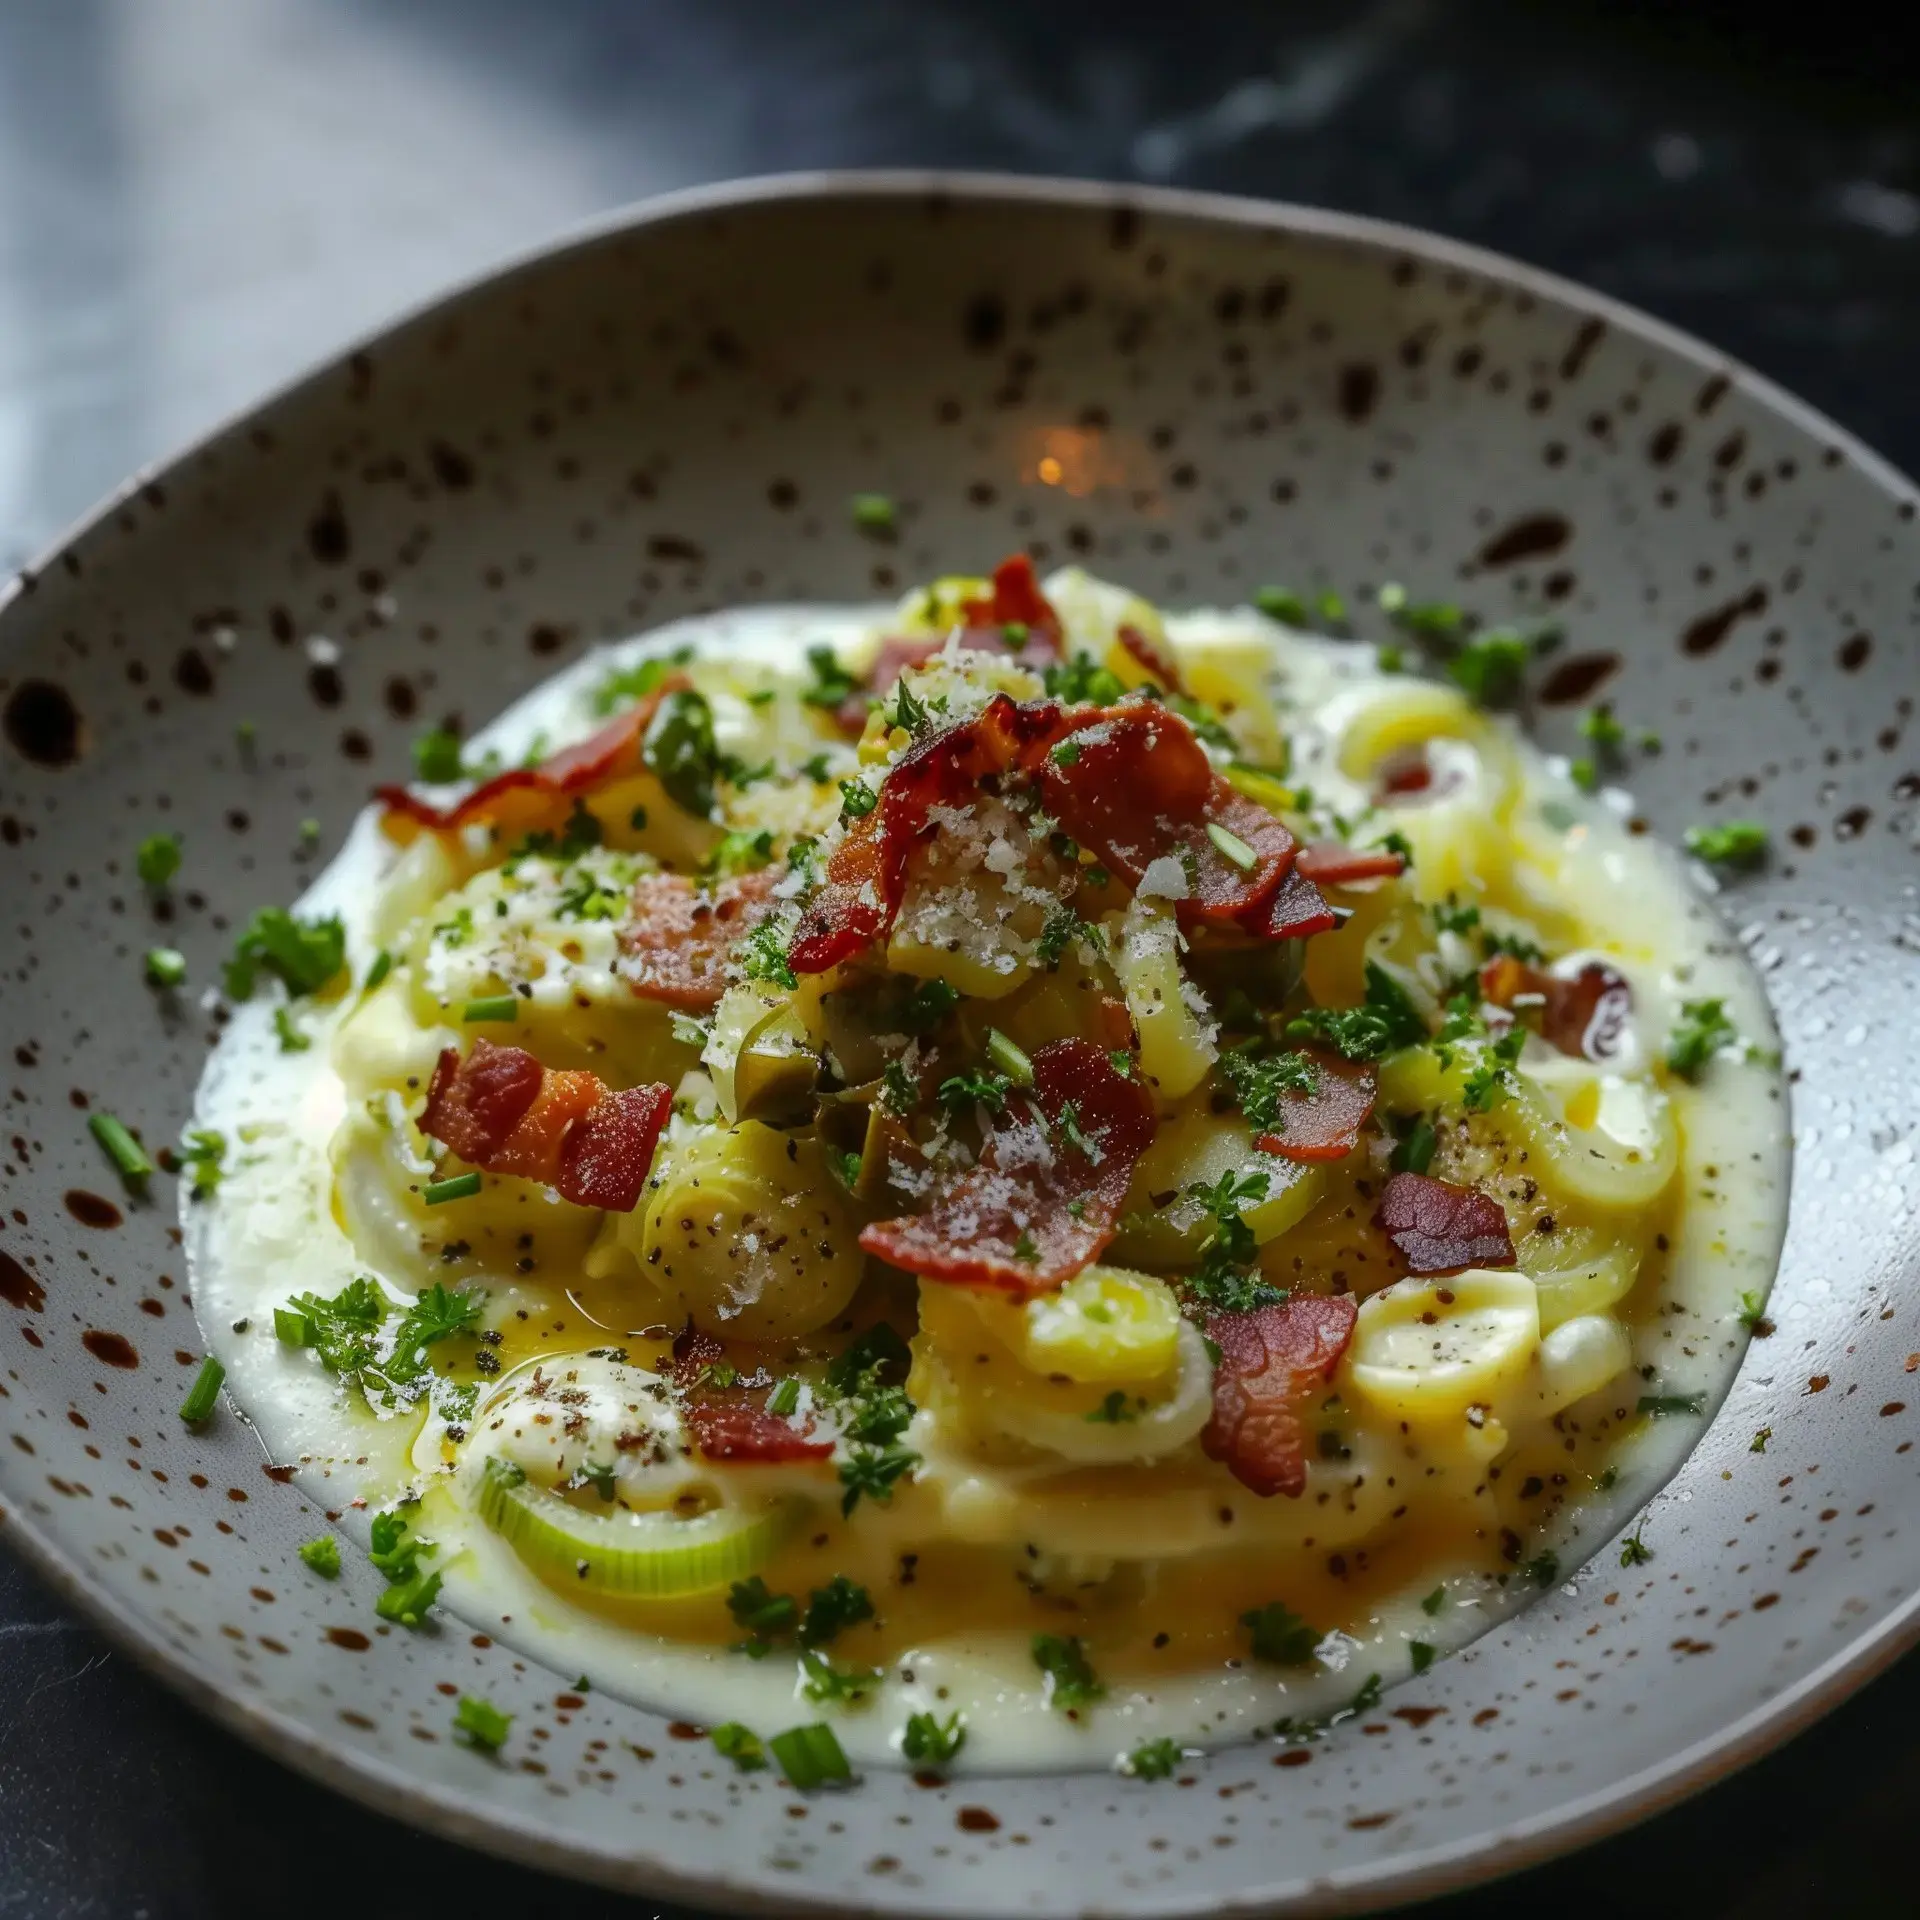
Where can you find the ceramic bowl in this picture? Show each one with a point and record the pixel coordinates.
(668, 413)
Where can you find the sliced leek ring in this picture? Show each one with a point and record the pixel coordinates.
(1579, 1357)
(1606, 1139)
(1195, 1149)
(629, 1556)
(1105, 1325)
(1169, 1013)
(1427, 1351)
(1578, 1272)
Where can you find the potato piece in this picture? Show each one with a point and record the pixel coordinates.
(1424, 1351)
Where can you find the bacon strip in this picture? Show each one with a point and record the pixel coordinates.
(1035, 1209)
(681, 936)
(1583, 1016)
(1437, 1227)
(1324, 1124)
(732, 1423)
(1338, 866)
(1297, 911)
(1016, 597)
(1133, 786)
(1272, 1361)
(522, 796)
(500, 1110)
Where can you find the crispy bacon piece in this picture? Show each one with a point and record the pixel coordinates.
(1153, 658)
(866, 873)
(499, 1109)
(1297, 911)
(1016, 598)
(1338, 866)
(1583, 1016)
(1437, 1227)
(1133, 786)
(1272, 1361)
(680, 936)
(1036, 1208)
(524, 797)
(732, 1423)
(1324, 1124)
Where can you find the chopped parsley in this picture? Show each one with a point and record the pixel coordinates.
(1435, 1602)
(821, 1680)
(1113, 1410)
(1413, 1152)
(1454, 915)
(286, 1030)
(929, 1004)
(679, 748)
(741, 1745)
(857, 800)
(1071, 1680)
(1387, 1021)
(931, 1742)
(763, 956)
(1599, 725)
(157, 859)
(872, 512)
(1279, 1635)
(869, 1471)
(1226, 1277)
(1758, 1444)
(436, 756)
(1438, 620)
(1734, 843)
(323, 1556)
(1491, 1080)
(165, 967)
(739, 850)
(203, 1155)
(1422, 1655)
(831, 1609)
(304, 955)
(1259, 1084)
(1083, 680)
(411, 1590)
(1155, 1759)
(832, 686)
(960, 1093)
(630, 683)
(1488, 668)
(480, 1724)
(900, 1091)
(1543, 1569)
(1704, 1030)
(910, 713)
(1634, 1552)
(1753, 1315)
(1062, 928)
(1208, 726)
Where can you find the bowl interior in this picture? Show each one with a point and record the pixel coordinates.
(1197, 396)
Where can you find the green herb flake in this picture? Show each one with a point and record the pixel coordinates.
(304, 955)
(480, 1724)
(762, 955)
(1070, 1679)
(1413, 1152)
(872, 513)
(1703, 1031)
(810, 1757)
(1386, 1022)
(1435, 1602)
(165, 967)
(459, 1186)
(831, 1609)
(437, 758)
(1279, 1636)
(1753, 1315)
(1489, 667)
(323, 1556)
(1259, 1085)
(204, 1395)
(758, 1610)
(1543, 1569)
(1082, 681)
(1010, 1058)
(832, 686)
(928, 1741)
(157, 859)
(1154, 1759)
(679, 748)
(203, 1155)
(1758, 1444)
(824, 1683)
(1634, 1552)
(857, 800)
(286, 1030)
(1734, 843)
(1422, 1655)
(741, 1745)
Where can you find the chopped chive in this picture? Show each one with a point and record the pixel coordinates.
(1009, 1058)
(499, 1006)
(810, 1756)
(166, 967)
(1282, 604)
(1734, 843)
(479, 1724)
(382, 966)
(157, 859)
(292, 1328)
(323, 1556)
(1422, 1655)
(1235, 849)
(123, 1150)
(1414, 1154)
(204, 1395)
(462, 1186)
(1434, 1601)
(872, 512)
(739, 1744)
(1662, 1406)
(785, 1398)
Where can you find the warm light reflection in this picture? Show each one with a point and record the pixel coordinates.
(1080, 461)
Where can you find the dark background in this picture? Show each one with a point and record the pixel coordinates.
(199, 196)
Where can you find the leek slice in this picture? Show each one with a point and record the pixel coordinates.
(632, 1556)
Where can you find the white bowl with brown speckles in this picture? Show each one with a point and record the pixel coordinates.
(667, 413)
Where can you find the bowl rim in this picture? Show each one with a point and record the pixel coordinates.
(1429, 1872)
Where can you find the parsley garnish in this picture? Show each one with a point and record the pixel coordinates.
(820, 1679)
(679, 748)
(481, 1724)
(436, 756)
(1155, 1759)
(1422, 1655)
(1113, 1410)
(1430, 619)
(740, 850)
(1543, 1569)
(1490, 1082)
(1280, 1636)
(1758, 1444)
(759, 1610)
(1226, 1276)
(739, 1744)
(929, 1004)
(763, 956)
(1387, 1021)
(1753, 1315)
(872, 512)
(899, 1090)
(1063, 927)
(287, 1032)
(1258, 1084)
(1734, 843)
(1455, 916)
(323, 1556)
(832, 686)
(1704, 1031)
(1634, 1552)
(1434, 1602)
(630, 683)
(872, 1471)
(961, 1092)
(1082, 680)
(909, 712)
(1205, 723)
(1368, 1697)
(157, 859)
(833, 1608)
(1071, 1681)
(410, 1589)
(1488, 668)
(435, 1315)
(303, 954)
(203, 1154)
(857, 800)
(931, 1742)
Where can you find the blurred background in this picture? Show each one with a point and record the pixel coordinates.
(198, 197)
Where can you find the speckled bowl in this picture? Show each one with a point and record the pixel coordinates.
(668, 413)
